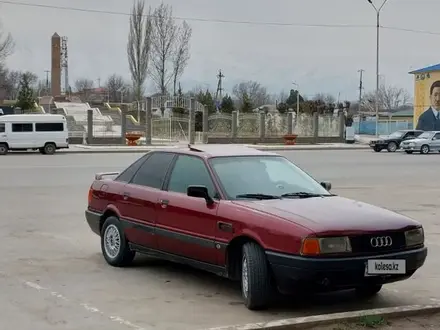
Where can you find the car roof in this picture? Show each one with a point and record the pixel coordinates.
(210, 151)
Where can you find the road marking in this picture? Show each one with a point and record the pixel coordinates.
(89, 308)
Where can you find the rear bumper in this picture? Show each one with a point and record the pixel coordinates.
(93, 219)
(334, 274)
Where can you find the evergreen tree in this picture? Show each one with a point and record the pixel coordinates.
(227, 105)
(291, 100)
(25, 99)
(207, 100)
(247, 105)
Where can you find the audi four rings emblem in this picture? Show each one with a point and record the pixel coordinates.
(381, 241)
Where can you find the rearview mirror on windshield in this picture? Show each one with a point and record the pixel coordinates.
(199, 192)
(327, 185)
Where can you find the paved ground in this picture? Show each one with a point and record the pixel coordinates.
(52, 275)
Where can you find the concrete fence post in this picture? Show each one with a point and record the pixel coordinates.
(90, 126)
(192, 121)
(342, 126)
(315, 127)
(289, 123)
(205, 124)
(234, 125)
(148, 122)
(262, 117)
(123, 126)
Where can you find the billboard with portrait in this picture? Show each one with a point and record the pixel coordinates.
(427, 100)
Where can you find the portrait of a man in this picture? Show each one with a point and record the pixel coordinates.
(430, 119)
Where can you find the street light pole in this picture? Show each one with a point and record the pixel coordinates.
(377, 59)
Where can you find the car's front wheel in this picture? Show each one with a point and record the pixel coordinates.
(424, 149)
(114, 245)
(377, 149)
(256, 285)
(367, 291)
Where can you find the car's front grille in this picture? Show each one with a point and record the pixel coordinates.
(378, 243)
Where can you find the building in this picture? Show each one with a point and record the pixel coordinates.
(423, 79)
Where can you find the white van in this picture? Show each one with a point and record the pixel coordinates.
(43, 132)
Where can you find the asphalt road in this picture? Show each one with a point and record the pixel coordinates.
(52, 274)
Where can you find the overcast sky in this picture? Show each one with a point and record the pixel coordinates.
(319, 59)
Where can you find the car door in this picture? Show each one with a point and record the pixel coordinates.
(435, 143)
(22, 136)
(186, 226)
(138, 199)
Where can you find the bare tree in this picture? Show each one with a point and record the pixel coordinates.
(181, 54)
(163, 46)
(84, 87)
(251, 92)
(6, 45)
(114, 85)
(325, 98)
(139, 46)
(391, 98)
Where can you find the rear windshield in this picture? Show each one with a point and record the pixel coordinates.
(2, 127)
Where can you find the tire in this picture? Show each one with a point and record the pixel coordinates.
(377, 149)
(41, 150)
(3, 149)
(49, 149)
(392, 147)
(256, 284)
(424, 149)
(409, 152)
(368, 290)
(115, 255)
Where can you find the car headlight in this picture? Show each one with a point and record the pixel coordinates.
(415, 237)
(312, 246)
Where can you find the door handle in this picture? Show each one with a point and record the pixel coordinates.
(164, 203)
(125, 195)
(226, 227)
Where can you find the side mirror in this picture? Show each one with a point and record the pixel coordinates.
(327, 185)
(199, 192)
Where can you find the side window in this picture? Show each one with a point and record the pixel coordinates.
(152, 173)
(128, 173)
(49, 127)
(17, 128)
(409, 135)
(437, 136)
(2, 127)
(190, 171)
(417, 133)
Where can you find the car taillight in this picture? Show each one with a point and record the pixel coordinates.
(90, 196)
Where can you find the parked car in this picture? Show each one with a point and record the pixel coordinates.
(392, 142)
(425, 143)
(250, 216)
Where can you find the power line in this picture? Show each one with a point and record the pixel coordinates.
(214, 20)
(194, 19)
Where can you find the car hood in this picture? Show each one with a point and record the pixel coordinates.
(332, 214)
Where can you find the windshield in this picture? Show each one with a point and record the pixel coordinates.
(268, 175)
(397, 134)
(425, 135)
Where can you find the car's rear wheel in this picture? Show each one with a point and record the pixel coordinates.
(409, 151)
(377, 149)
(392, 147)
(49, 149)
(424, 149)
(114, 245)
(256, 284)
(367, 291)
(3, 149)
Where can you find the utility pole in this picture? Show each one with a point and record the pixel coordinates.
(47, 82)
(361, 72)
(219, 92)
(99, 82)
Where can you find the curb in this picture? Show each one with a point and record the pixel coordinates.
(130, 151)
(329, 319)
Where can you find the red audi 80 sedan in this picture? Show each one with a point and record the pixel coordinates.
(253, 217)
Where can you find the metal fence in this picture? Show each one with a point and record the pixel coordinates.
(385, 127)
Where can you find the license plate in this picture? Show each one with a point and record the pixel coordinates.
(385, 267)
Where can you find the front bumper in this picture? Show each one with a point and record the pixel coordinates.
(332, 274)
(411, 148)
(378, 145)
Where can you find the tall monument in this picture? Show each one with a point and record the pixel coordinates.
(56, 65)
